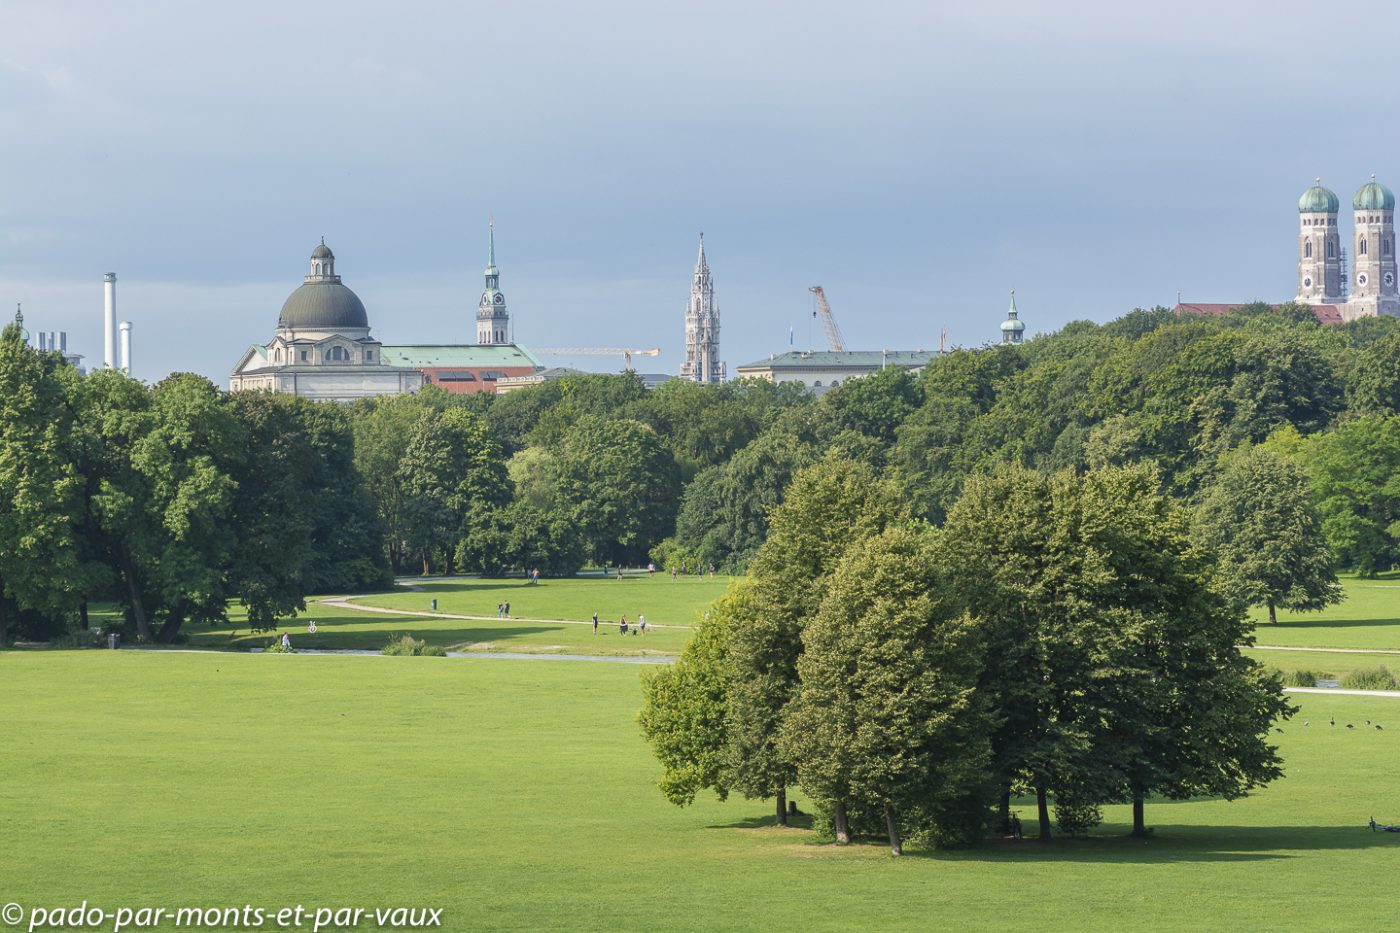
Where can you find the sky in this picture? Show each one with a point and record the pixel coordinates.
(916, 159)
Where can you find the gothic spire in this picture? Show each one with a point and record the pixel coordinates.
(700, 264)
(491, 245)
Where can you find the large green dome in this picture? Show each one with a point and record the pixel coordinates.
(323, 306)
(1373, 196)
(1318, 200)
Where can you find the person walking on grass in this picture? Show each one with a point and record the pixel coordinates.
(286, 641)
(595, 623)
(500, 610)
(673, 571)
(506, 606)
(642, 623)
(622, 626)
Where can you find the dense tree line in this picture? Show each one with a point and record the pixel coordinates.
(175, 498)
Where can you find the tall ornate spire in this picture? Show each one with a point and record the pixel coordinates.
(702, 362)
(492, 318)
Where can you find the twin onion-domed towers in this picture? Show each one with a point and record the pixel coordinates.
(1369, 287)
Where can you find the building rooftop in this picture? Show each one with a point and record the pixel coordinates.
(1325, 314)
(839, 359)
(461, 356)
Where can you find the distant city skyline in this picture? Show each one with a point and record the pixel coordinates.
(917, 163)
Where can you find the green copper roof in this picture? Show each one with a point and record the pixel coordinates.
(464, 356)
(1318, 200)
(1373, 196)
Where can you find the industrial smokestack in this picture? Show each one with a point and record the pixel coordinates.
(109, 330)
(126, 347)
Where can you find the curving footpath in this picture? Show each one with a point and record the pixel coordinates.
(343, 602)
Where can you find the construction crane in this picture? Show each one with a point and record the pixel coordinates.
(833, 333)
(626, 353)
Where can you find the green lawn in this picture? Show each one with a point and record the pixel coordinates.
(519, 795)
(660, 598)
(1369, 617)
(1336, 663)
(339, 628)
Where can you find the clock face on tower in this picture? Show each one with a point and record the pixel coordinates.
(1307, 283)
(1390, 278)
(1362, 279)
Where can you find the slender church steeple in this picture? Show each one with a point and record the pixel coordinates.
(492, 318)
(702, 362)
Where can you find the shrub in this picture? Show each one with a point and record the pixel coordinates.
(1370, 678)
(1305, 678)
(1074, 819)
(275, 647)
(407, 646)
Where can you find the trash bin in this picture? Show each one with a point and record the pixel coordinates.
(114, 641)
(435, 605)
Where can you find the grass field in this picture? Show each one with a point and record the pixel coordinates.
(518, 795)
(1369, 617)
(670, 607)
(661, 599)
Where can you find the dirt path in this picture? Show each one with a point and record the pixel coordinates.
(343, 602)
(1331, 650)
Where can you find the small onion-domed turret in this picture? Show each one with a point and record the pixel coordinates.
(1013, 329)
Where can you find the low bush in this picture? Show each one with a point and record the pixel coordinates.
(1370, 678)
(1305, 678)
(408, 646)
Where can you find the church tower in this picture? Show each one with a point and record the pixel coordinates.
(702, 362)
(492, 319)
(1373, 290)
(1319, 248)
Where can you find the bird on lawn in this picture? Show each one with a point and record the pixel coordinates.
(1378, 727)
(1349, 725)
(1305, 722)
(1368, 722)
(1331, 722)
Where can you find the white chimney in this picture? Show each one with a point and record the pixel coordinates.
(109, 332)
(126, 347)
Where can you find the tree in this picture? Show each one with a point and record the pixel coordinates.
(620, 485)
(453, 476)
(381, 429)
(1003, 544)
(41, 562)
(887, 717)
(1373, 384)
(827, 506)
(683, 714)
(169, 461)
(1260, 517)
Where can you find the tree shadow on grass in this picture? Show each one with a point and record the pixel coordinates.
(795, 821)
(360, 637)
(1177, 843)
(1264, 628)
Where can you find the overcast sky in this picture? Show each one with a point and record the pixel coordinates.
(916, 161)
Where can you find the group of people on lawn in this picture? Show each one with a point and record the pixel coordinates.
(623, 628)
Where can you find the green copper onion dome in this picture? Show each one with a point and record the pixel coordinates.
(1318, 200)
(1373, 196)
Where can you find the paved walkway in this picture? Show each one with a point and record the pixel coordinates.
(343, 602)
(1330, 650)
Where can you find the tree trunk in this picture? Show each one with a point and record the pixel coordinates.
(83, 614)
(4, 624)
(170, 629)
(782, 806)
(1273, 618)
(1004, 826)
(1139, 824)
(1042, 808)
(892, 825)
(843, 826)
(425, 563)
(138, 610)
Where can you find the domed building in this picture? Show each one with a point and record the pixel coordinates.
(1369, 287)
(323, 348)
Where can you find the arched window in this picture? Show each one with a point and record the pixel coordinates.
(1307, 250)
(817, 384)
(1361, 246)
